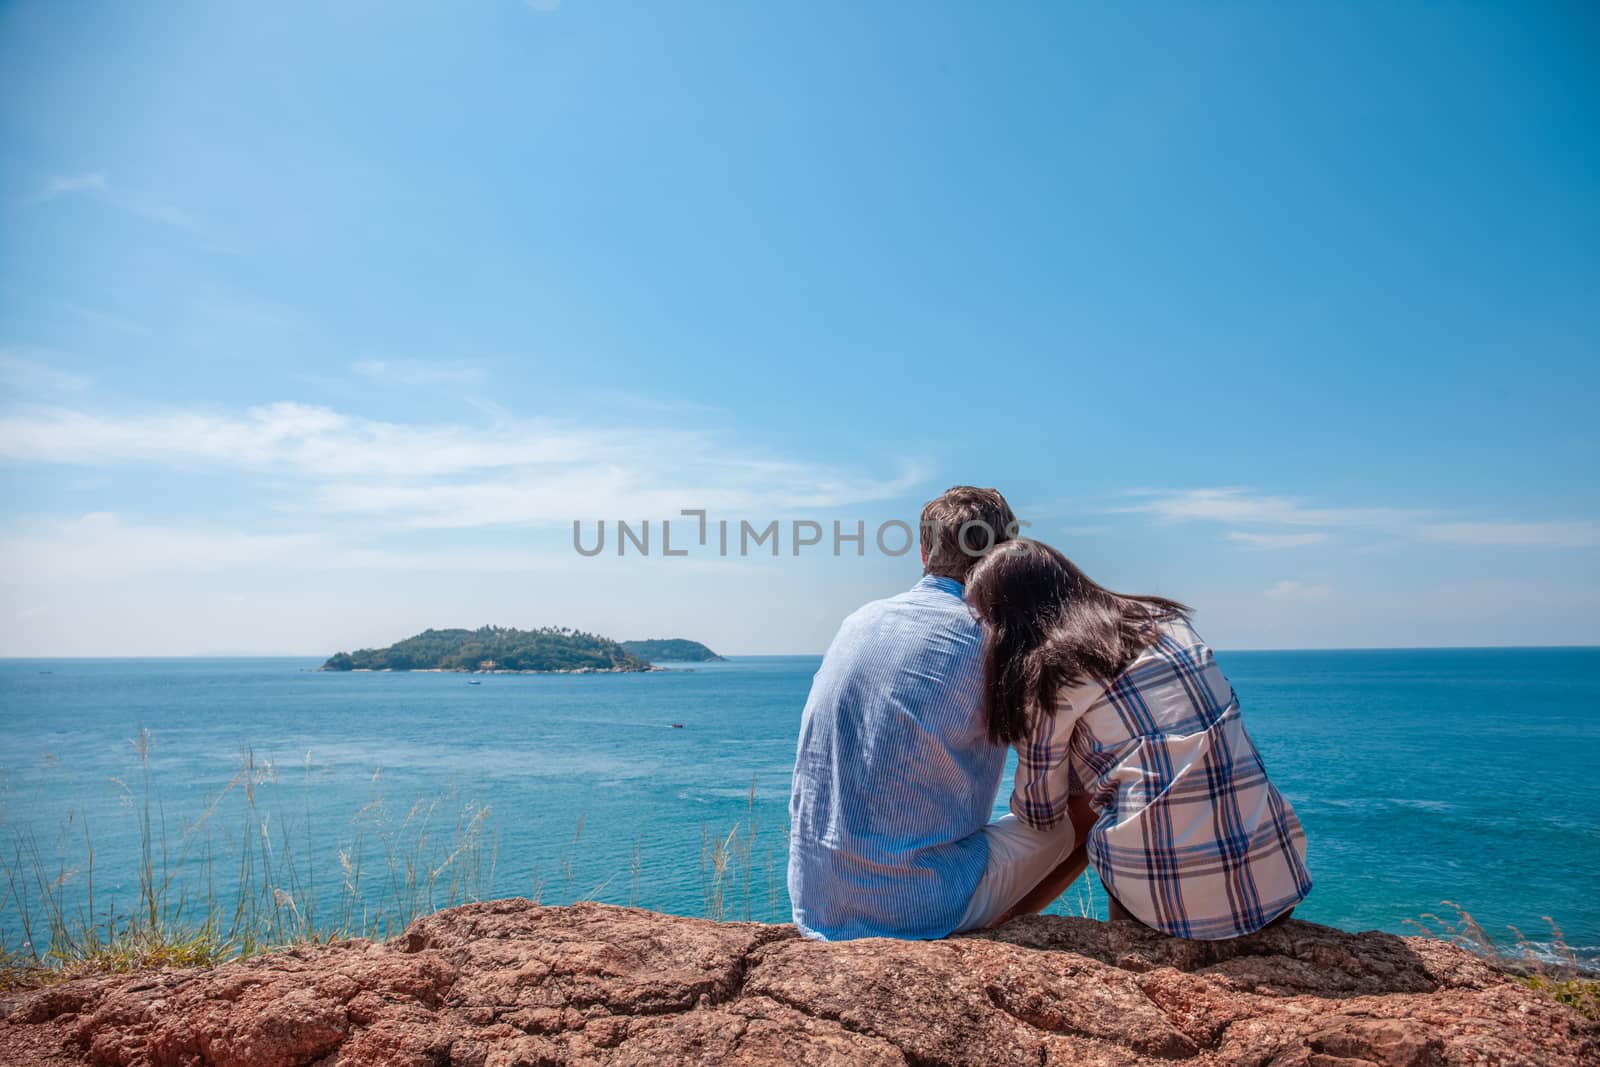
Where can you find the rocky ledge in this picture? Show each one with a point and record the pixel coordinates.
(508, 983)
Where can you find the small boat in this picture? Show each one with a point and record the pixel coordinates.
(474, 683)
(677, 726)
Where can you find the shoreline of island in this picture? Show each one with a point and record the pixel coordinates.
(506, 650)
(648, 668)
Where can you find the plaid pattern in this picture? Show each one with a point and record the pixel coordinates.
(1191, 837)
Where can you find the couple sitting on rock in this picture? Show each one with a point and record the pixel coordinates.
(1131, 755)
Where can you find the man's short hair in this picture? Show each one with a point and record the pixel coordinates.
(962, 524)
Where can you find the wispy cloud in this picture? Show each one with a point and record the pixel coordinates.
(22, 375)
(417, 372)
(1291, 590)
(104, 318)
(1529, 534)
(158, 212)
(102, 545)
(289, 438)
(1283, 522)
(450, 474)
(99, 185)
(72, 183)
(654, 405)
(643, 488)
(1264, 540)
(1243, 506)
(105, 545)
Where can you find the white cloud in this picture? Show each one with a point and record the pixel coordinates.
(72, 183)
(47, 556)
(1280, 521)
(158, 212)
(588, 493)
(1289, 540)
(102, 318)
(287, 438)
(1529, 534)
(1243, 506)
(20, 374)
(444, 474)
(1291, 590)
(98, 184)
(416, 372)
(101, 545)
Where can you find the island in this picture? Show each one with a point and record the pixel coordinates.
(672, 650)
(496, 649)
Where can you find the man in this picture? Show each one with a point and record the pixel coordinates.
(895, 777)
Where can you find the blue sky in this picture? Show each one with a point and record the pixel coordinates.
(321, 323)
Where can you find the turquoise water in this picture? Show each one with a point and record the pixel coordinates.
(1421, 776)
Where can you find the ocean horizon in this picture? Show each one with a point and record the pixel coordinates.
(320, 658)
(1421, 775)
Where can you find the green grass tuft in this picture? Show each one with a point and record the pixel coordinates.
(1583, 994)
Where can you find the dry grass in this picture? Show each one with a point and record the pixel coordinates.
(727, 868)
(240, 879)
(393, 868)
(188, 910)
(1554, 971)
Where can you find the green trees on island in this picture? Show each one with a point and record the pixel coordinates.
(549, 648)
(671, 650)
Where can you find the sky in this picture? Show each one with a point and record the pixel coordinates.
(322, 323)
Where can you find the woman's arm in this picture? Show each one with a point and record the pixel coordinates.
(1045, 781)
(1057, 881)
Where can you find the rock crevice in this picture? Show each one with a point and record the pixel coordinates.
(508, 983)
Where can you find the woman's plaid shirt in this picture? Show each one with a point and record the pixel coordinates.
(1191, 838)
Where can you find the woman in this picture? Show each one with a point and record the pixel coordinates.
(1116, 700)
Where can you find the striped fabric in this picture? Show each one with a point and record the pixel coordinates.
(895, 776)
(1191, 837)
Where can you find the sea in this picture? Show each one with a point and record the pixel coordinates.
(1433, 785)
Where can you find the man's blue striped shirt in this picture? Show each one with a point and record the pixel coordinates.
(895, 776)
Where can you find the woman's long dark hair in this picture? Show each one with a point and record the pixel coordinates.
(1047, 626)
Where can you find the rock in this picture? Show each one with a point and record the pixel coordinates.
(508, 983)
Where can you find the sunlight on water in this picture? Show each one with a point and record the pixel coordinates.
(1420, 776)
